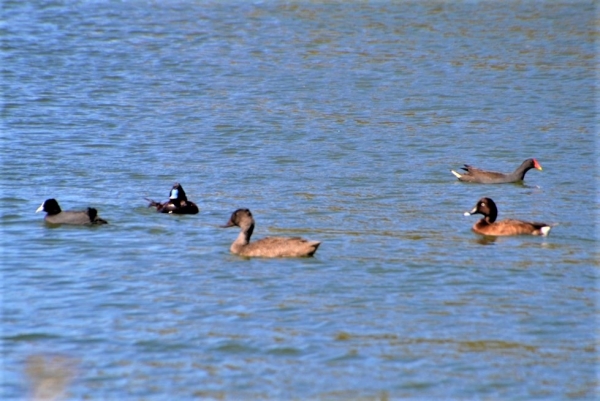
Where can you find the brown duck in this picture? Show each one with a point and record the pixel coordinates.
(474, 174)
(489, 226)
(269, 247)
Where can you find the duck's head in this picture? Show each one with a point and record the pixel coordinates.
(486, 207)
(49, 206)
(532, 163)
(177, 193)
(241, 218)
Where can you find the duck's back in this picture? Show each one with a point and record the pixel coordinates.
(76, 217)
(278, 247)
(474, 174)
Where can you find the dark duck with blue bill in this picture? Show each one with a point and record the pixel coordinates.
(178, 202)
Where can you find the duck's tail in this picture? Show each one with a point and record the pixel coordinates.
(313, 245)
(153, 203)
(94, 219)
(545, 230)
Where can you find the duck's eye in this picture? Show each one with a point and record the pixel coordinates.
(482, 204)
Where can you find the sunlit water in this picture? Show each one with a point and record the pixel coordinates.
(337, 122)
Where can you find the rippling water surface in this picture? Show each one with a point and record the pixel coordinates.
(334, 121)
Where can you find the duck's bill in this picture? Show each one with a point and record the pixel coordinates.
(228, 224)
(473, 211)
(537, 165)
(40, 209)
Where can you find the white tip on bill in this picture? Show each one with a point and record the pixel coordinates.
(466, 214)
(41, 208)
(456, 174)
(545, 230)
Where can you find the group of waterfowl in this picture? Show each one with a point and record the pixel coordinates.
(487, 207)
(178, 203)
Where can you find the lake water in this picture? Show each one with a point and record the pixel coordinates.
(335, 121)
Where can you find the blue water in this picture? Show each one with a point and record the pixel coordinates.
(337, 122)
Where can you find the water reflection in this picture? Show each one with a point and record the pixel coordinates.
(485, 240)
(49, 376)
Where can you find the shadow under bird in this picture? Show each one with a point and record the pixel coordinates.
(489, 226)
(178, 202)
(474, 174)
(54, 215)
(269, 247)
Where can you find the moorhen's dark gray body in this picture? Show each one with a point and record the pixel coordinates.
(474, 174)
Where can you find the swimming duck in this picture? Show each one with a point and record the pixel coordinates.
(178, 202)
(269, 247)
(54, 215)
(474, 174)
(489, 226)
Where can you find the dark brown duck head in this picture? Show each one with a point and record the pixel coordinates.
(486, 207)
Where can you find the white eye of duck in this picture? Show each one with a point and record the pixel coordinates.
(482, 204)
